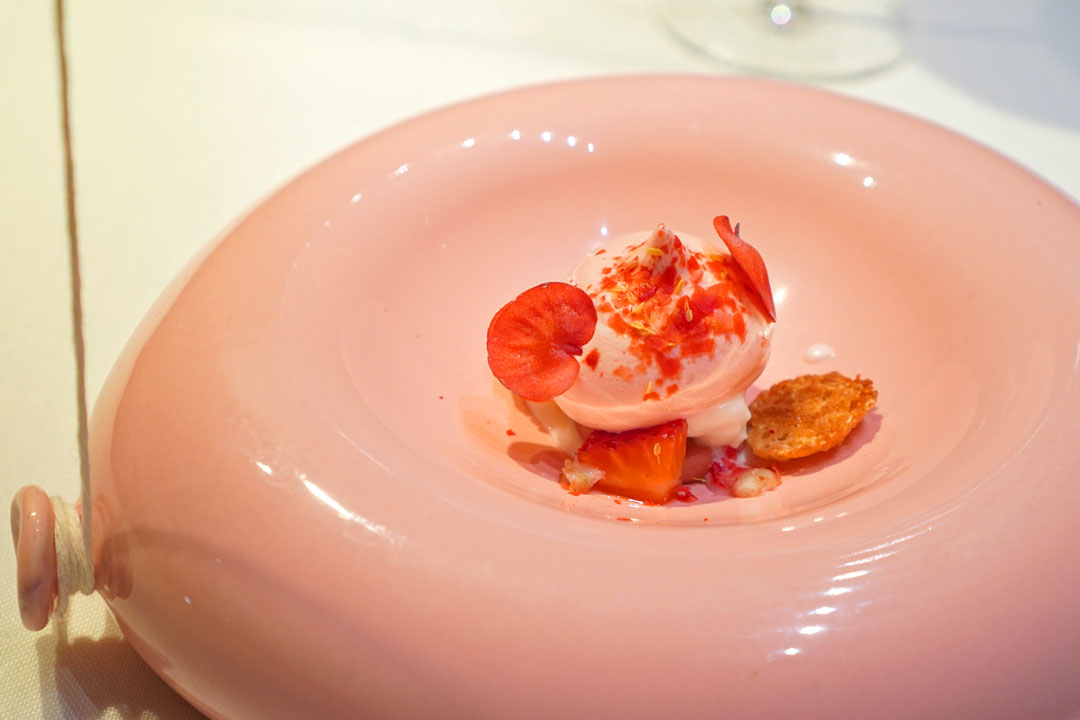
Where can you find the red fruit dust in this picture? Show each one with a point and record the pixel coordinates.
(533, 341)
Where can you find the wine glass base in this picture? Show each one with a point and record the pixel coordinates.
(798, 39)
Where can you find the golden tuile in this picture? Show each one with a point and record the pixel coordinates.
(807, 415)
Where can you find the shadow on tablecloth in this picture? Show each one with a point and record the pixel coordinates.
(105, 678)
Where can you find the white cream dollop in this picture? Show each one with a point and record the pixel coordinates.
(818, 352)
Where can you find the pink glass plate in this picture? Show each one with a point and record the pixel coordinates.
(311, 504)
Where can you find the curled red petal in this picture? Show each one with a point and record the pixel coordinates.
(749, 260)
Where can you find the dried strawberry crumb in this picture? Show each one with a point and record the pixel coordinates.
(669, 366)
(683, 493)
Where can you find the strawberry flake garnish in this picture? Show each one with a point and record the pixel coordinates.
(533, 340)
(749, 260)
(683, 493)
(643, 464)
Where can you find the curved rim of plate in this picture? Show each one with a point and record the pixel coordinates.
(785, 86)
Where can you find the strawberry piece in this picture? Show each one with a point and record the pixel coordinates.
(643, 464)
(532, 340)
(749, 260)
(725, 467)
(737, 479)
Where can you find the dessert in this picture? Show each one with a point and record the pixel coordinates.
(650, 345)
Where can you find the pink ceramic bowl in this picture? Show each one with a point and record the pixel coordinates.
(308, 504)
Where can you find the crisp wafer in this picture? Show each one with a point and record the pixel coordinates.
(807, 415)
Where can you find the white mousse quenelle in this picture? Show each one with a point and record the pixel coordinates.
(681, 332)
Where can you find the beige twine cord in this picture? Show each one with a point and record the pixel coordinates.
(74, 569)
(74, 546)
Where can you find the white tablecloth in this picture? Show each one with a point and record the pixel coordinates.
(187, 113)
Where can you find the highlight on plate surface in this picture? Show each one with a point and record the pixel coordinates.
(644, 356)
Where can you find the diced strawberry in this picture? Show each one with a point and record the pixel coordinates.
(755, 481)
(532, 340)
(749, 260)
(725, 467)
(740, 480)
(643, 464)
